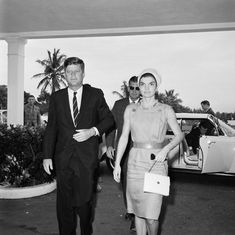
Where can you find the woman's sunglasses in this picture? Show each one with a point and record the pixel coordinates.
(136, 88)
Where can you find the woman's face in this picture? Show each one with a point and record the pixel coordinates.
(148, 86)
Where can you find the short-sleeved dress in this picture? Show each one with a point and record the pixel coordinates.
(148, 126)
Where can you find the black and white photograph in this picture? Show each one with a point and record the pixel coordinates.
(117, 117)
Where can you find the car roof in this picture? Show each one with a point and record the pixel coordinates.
(228, 130)
(193, 115)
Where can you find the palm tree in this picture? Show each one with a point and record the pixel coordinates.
(172, 99)
(53, 75)
(124, 90)
(160, 96)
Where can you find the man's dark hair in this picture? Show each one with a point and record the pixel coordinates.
(31, 96)
(133, 79)
(204, 124)
(205, 102)
(74, 60)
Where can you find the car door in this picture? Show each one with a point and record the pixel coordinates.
(217, 154)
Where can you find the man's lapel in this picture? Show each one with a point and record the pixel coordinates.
(121, 110)
(127, 102)
(84, 102)
(67, 107)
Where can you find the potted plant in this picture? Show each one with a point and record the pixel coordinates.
(21, 167)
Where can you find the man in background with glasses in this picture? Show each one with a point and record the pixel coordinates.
(113, 137)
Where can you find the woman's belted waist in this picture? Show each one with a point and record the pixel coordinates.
(151, 145)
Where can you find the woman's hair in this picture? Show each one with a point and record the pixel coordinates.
(148, 75)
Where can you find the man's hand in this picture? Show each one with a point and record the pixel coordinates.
(48, 166)
(110, 152)
(84, 134)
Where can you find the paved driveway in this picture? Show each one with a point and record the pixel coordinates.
(198, 205)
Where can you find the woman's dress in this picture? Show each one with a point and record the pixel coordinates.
(148, 127)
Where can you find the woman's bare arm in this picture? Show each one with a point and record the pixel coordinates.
(122, 143)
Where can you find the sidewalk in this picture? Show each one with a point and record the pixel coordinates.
(198, 205)
(38, 215)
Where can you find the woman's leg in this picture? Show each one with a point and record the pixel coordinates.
(140, 224)
(152, 226)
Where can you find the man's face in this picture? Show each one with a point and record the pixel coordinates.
(203, 130)
(74, 76)
(204, 107)
(31, 100)
(134, 91)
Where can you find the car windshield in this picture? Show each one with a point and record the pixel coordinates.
(229, 131)
(187, 125)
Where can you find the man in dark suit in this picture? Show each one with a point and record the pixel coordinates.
(113, 137)
(78, 115)
(205, 104)
(193, 137)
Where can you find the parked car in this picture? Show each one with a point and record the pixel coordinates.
(216, 151)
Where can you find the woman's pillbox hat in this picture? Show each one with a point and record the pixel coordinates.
(154, 73)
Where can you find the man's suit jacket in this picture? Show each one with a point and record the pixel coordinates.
(114, 136)
(192, 138)
(118, 113)
(210, 111)
(58, 139)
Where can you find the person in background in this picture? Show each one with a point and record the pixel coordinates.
(147, 121)
(194, 135)
(32, 116)
(205, 104)
(111, 142)
(78, 117)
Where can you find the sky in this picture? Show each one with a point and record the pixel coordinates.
(197, 66)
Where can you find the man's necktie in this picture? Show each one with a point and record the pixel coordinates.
(75, 109)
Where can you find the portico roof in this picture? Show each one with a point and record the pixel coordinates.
(28, 19)
(33, 19)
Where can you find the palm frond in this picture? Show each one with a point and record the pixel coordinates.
(44, 80)
(38, 75)
(46, 84)
(118, 93)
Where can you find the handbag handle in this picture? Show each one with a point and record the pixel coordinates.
(152, 156)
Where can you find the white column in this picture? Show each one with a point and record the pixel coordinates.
(15, 91)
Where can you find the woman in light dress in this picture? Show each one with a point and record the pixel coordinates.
(147, 121)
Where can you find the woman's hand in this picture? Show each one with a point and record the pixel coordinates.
(161, 156)
(117, 173)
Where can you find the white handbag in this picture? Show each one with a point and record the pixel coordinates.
(154, 183)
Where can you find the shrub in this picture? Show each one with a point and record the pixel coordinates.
(21, 156)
